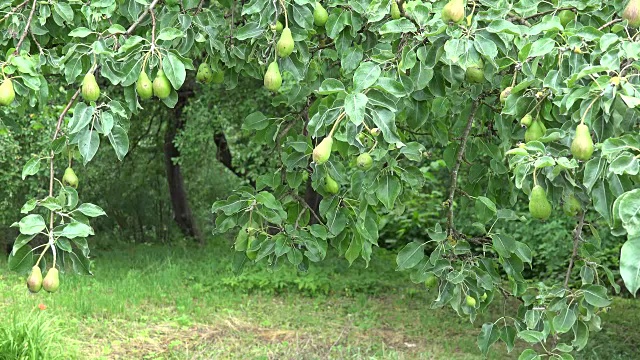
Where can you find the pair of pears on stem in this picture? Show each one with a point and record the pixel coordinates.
(160, 87)
(50, 283)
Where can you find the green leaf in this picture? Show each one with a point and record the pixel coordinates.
(388, 189)
(331, 86)
(564, 321)
(402, 25)
(354, 106)
(91, 210)
(80, 32)
(32, 224)
(256, 121)
(88, 143)
(82, 115)
(119, 141)
(22, 260)
(31, 167)
(529, 354)
(487, 337)
(410, 255)
(174, 69)
(630, 265)
(366, 75)
(596, 295)
(169, 34)
(74, 230)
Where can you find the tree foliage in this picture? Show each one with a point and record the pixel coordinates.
(495, 88)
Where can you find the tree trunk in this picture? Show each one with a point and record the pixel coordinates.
(181, 210)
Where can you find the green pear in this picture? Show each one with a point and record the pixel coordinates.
(90, 88)
(330, 185)
(395, 10)
(566, 16)
(374, 131)
(526, 120)
(471, 301)
(505, 94)
(279, 26)
(7, 94)
(70, 178)
(204, 74)
(431, 281)
(453, 11)
(571, 206)
(631, 13)
(582, 144)
(534, 132)
(284, 47)
(34, 281)
(320, 15)
(272, 78)
(144, 87)
(539, 206)
(51, 281)
(484, 296)
(322, 151)
(364, 161)
(474, 74)
(161, 85)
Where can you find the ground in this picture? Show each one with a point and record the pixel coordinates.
(152, 302)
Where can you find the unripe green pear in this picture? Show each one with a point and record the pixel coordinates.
(252, 254)
(471, 301)
(571, 206)
(70, 178)
(534, 132)
(374, 131)
(364, 161)
(284, 47)
(144, 87)
(90, 88)
(484, 296)
(526, 120)
(539, 206)
(320, 15)
(322, 151)
(34, 281)
(431, 281)
(272, 78)
(395, 10)
(161, 85)
(474, 74)
(279, 26)
(582, 144)
(453, 11)
(51, 281)
(631, 13)
(7, 94)
(505, 94)
(204, 74)
(305, 176)
(566, 16)
(330, 185)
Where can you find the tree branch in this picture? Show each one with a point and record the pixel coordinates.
(456, 166)
(577, 233)
(548, 12)
(141, 17)
(304, 202)
(13, 11)
(614, 21)
(26, 28)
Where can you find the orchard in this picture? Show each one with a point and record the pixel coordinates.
(530, 104)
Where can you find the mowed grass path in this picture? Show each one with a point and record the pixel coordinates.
(154, 302)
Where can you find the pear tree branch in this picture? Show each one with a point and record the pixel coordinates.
(26, 28)
(577, 233)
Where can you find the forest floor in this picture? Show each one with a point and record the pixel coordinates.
(154, 302)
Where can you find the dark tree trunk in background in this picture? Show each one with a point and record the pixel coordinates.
(181, 210)
(312, 198)
(223, 154)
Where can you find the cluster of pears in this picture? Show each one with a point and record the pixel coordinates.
(582, 144)
(90, 88)
(70, 178)
(160, 87)
(7, 94)
(453, 11)
(205, 75)
(50, 283)
(535, 128)
(539, 206)
(631, 13)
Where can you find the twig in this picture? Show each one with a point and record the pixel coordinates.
(199, 8)
(609, 24)
(456, 166)
(13, 11)
(548, 12)
(141, 17)
(297, 197)
(577, 233)
(233, 11)
(40, 50)
(26, 28)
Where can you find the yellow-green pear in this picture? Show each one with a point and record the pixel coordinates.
(322, 151)
(90, 88)
(526, 120)
(279, 26)
(204, 74)
(284, 47)
(582, 144)
(34, 281)
(320, 15)
(7, 94)
(474, 74)
(51, 281)
(161, 85)
(272, 78)
(144, 87)
(364, 161)
(534, 132)
(70, 178)
(471, 301)
(505, 94)
(539, 206)
(631, 13)
(374, 131)
(395, 10)
(330, 185)
(453, 11)
(431, 281)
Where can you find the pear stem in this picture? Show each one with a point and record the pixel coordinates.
(335, 125)
(587, 111)
(284, 10)
(535, 178)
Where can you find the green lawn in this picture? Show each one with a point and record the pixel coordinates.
(152, 302)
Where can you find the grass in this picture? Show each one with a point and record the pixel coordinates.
(153, 302)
